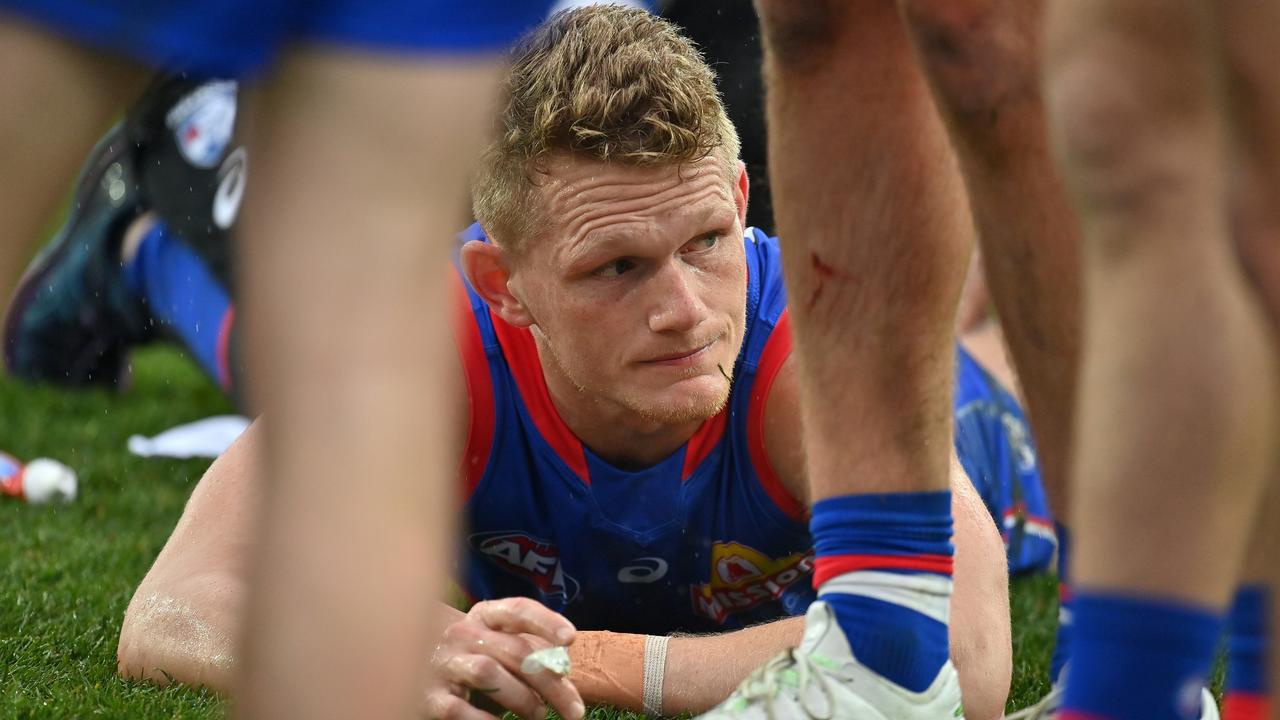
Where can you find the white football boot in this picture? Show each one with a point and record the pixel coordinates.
(822, 680)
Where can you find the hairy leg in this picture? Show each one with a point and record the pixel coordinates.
(58, 98)
(360, 167)
(982, 57)
(1176, 412)
(1249, 40)
(875, 236)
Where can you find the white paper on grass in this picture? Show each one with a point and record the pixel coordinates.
(203, 438)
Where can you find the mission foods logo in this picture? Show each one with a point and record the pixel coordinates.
(743, 578)
(538, 561)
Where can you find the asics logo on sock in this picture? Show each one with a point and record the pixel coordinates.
(231, 181)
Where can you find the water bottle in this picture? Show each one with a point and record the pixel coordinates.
(40, 481)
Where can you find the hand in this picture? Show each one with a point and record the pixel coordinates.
(482, 652)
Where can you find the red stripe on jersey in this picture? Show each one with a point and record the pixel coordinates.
(1245, 706)
(224, 347)
(703, 442)
(526, 368)
(828, 566)
(475, 365)
(776, 351)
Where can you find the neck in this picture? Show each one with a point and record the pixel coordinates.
(618, 435)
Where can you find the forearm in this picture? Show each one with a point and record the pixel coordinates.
(608, 668)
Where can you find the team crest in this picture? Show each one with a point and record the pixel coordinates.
(535, 560)
(202, 123)
(743, 578)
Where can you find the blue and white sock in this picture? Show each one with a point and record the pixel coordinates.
(1247, 695)
(883, 562)
(1138, 658)
(183, 295)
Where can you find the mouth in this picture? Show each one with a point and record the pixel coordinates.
(682, 358)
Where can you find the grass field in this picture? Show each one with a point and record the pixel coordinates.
(68, 572)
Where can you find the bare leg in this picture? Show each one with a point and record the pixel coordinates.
(360, 168)
(1246, 694)
(875, 231)
(1176, 419)
(1250, 38)
(1177, 414)
(876, 237)
(981, 57)
(59, 97)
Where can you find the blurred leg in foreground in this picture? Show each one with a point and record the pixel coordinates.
(1177, 412)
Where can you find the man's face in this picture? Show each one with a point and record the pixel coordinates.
(637, 283)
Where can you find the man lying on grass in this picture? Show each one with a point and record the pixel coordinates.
(631, 460)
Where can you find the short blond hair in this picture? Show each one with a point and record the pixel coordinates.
(603, 82)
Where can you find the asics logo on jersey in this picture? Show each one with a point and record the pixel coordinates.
(646, 570)
(231, 181)
(743, 578)
(528, 557)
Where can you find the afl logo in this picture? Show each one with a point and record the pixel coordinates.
(203, 122)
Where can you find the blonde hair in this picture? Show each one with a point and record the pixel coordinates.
(603, 82)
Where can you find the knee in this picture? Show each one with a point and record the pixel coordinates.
(981, 55)
(799, 32)
(1132, 120)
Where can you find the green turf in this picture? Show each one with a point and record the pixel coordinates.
(68, 572)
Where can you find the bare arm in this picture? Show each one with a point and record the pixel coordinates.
(185, 615)
(701, 671)
(981, 637)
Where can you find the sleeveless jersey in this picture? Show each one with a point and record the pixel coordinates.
(995, 447)
(705, 540)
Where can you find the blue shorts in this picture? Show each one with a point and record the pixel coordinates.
(237, 38)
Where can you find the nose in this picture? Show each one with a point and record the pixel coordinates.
(676, 307)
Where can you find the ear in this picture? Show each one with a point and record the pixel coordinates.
(741, 190)
(487, 269)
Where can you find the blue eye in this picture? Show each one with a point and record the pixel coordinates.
(703, 243)
(614, 268)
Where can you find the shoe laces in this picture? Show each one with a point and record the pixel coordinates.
(792, 672)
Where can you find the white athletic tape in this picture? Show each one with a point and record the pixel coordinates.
(655, 671)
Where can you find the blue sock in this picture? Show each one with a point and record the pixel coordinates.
(1246, 696)
(895, 541)
(1139, 658)
(1062, 642)
(183, 295)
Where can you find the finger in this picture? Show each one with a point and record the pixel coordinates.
(510, 651)
(441, 705)
(484, 674)
(524, 615)
(558, 692)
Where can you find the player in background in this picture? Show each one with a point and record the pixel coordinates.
(371, 105)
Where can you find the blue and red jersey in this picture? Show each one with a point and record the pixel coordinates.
(707, 539)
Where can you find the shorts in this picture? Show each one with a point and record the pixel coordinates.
(239, 38)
